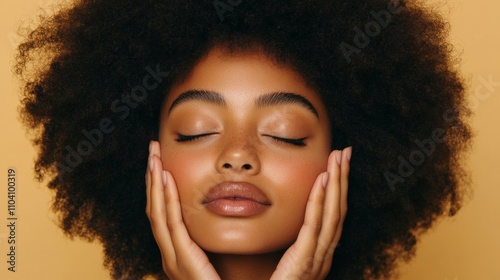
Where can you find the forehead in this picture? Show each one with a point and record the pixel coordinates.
(243, 77)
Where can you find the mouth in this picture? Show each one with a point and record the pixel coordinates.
(236, 199)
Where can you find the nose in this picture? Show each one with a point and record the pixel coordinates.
(238, 156)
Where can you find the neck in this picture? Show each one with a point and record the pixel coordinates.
(243, 267)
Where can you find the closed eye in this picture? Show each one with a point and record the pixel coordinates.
(296, 141)
(293, 141)
(187, 138)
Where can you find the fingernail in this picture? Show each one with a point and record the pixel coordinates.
(324, 180)
(348, 152)
(164, 177)
(150, 145)
(151, 163)
(339, 156)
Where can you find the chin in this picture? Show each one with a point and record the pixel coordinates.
(261, 234)
(242, 249)
(243, 243)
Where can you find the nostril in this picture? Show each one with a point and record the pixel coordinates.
(245, 166)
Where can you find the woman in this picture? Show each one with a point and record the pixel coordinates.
(244, 151)
(379, 76)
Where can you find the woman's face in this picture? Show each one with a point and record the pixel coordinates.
(244, 140)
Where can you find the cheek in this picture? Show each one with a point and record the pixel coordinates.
(188, 171)
(293, 180)
(299, 172)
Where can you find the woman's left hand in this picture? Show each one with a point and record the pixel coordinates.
(310, 257)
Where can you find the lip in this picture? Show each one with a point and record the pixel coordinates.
(236, 199)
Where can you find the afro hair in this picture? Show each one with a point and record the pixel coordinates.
(383, 68)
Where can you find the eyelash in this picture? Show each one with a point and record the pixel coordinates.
(296, 142)
(188, 138)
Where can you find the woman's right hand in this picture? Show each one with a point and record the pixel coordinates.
(182, 258)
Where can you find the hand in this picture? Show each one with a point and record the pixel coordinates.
(310, 257)
(182, 258)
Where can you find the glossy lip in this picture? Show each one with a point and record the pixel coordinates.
(236, 199)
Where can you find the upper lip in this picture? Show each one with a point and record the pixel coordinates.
(236, 190)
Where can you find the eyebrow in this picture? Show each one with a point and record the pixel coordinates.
(266, 100)
(201, 95)
(279, 98)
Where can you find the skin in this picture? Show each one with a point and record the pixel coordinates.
(295, 237)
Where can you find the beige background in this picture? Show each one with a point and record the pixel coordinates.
(464, 247)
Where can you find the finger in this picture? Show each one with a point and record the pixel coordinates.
(175, 223)
(158, 214)
(331, 209)
(327, 261)
(306, 243)
(188, 255)
(148, 182)
(154, 150)
(345, 169)
(154, 147)
(344, 187)
(344, 180)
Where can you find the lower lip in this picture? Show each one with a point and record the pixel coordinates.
(236, 208)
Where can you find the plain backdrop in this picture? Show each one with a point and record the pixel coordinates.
(464, 247)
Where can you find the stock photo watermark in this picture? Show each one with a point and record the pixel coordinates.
(121, 107)
(372, 29)
(11, 220)
(426, 147)
(223, 6)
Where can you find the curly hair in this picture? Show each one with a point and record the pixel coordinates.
(95, 74)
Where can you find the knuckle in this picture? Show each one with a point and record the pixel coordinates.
(324, 270)
(323, 245)
(314, 225)
(336, 218)
(306, 269)
(167, 269)
(155, 217)
(173, 224)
